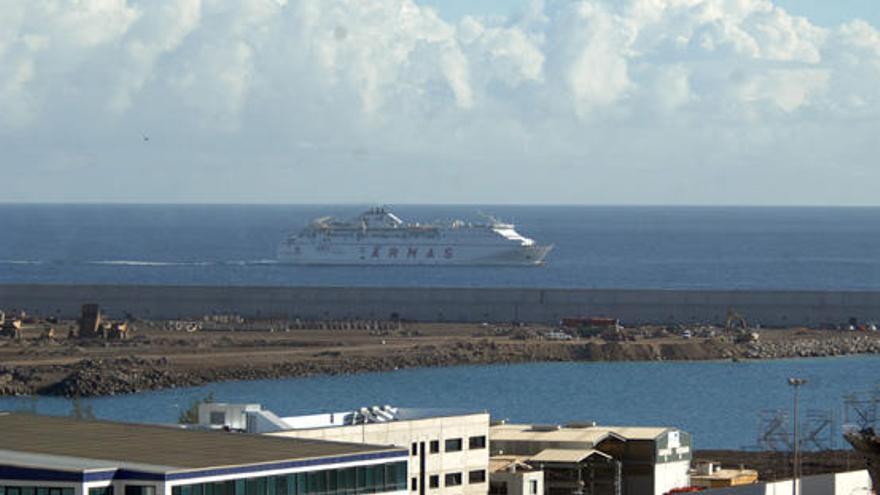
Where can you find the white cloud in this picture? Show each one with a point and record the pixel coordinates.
(563, 93)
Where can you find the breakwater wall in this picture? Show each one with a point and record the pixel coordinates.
(769, 308)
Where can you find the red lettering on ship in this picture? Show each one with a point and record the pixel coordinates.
(412, 252)
(376, 252)
(447, 253)
(430, 253)
(392, 252)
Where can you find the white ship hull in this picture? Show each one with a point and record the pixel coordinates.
(377, 237)
(420, 254)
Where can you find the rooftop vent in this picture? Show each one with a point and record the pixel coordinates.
(581, 424)
(546, 427)
(374, 414)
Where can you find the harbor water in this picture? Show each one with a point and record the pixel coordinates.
(719, 402)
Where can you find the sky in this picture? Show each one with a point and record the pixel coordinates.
(660, 102)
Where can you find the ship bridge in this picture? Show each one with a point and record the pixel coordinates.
(379, 217)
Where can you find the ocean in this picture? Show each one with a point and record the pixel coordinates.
(595, 247)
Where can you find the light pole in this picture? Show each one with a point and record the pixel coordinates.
(796, 383)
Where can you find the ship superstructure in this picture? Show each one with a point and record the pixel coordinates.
(379, 237)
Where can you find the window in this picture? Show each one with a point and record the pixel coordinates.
(533, 487)
(142, 490)
(379, 477)
(300, 483)
(314, 480)
(477, 442)
(349, 481)
(415, 449)
(102, 490)
(361, 480)
(453, 445)
(478, 476)
(218, 418)
(452, 479)
(434, 481)
(414, 484)
(435, 446)
(395, 476)
(35, 490)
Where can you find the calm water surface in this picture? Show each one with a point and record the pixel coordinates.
(603, 247)
(718, 402)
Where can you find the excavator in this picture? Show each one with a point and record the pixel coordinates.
(735, 321)
(736, 325)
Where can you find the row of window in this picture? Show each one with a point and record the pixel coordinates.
(451, 479)
(129, 490)
(347, 481)
(34, 490)
(452, 445)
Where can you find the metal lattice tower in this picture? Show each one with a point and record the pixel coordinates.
(818, 430)
(860, 409)
(774, 430)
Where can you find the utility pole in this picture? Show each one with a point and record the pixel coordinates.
(796, 462)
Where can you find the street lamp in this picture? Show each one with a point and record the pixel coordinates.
(796, 383)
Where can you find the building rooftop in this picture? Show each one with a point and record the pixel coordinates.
(506, 462)
(370, 415)
(566, 456)
(32, 440)
(587, 433)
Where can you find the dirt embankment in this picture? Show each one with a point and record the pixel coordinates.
(158, 358)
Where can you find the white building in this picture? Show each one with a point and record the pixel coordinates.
(448, 451)
(846, 483)
(44, 455)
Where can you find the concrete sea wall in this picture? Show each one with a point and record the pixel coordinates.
(768, 308)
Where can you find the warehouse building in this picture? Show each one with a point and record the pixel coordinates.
(44, 455)
(599, 459)
(448, 450)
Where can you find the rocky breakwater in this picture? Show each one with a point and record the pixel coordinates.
(17, 381)
(125, 375)
(130, 374)
(836, 346)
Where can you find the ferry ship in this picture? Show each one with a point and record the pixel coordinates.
(379, 237)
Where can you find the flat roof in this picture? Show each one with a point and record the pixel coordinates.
(93, 444)
(587, 434)
(338, 419)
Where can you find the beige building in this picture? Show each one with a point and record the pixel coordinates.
(712, 475)
(599, 459)
(448, 451)
(510, 475)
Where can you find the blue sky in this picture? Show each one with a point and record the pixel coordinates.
(822, 12)
(383, 101)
